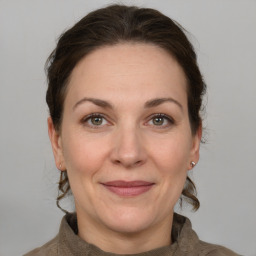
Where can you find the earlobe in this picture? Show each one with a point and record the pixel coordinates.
(55, 139)
(194, 158)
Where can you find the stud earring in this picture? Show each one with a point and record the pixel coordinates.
(60, 166)
(193, 164)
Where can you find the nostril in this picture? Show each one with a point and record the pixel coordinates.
(128, 164)
(128, 151)
(139, 162)
(117, 162)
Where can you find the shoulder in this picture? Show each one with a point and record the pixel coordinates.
(49, 249)
(189, 242)
(214, 250)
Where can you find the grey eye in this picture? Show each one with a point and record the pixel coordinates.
(97, 120)
(158, 120)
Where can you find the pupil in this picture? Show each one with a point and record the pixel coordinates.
(158, 120)
(97, 120)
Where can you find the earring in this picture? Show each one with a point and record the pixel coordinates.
(60, 167)
(193, 164)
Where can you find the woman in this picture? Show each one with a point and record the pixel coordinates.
(124, 94)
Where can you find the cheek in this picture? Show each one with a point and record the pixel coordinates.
(172, 154)
(171, 158)
(175, 173)
(83, 156)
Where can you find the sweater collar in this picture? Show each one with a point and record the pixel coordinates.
(69, 243)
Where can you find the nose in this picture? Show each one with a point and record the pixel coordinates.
(128, 149)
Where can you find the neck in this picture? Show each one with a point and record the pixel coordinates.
(109, 240)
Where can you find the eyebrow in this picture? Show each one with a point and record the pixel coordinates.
(159, 101)
(98, 102)
(149, 104)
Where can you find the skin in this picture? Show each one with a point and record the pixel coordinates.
(128, 143)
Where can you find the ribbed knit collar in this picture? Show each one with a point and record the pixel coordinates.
(69, 243)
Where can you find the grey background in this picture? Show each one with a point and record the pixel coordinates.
(223, 33)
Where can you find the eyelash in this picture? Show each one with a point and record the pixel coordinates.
(166, 117)
(99, 115)
(93, 115)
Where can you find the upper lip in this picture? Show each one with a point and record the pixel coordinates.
(122, 183)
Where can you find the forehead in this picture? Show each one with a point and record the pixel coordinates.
(129, 70)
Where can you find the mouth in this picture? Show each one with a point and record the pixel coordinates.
(128, 188)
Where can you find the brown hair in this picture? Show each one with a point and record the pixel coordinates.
(112, 25)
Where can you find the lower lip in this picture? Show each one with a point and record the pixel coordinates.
(129, 191)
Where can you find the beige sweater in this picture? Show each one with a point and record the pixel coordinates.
(186, 242)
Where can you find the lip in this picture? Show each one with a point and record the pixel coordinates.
(128, 188)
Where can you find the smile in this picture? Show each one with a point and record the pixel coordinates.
(128, 188)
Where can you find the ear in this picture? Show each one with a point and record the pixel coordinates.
(195, 146)
(55, 139)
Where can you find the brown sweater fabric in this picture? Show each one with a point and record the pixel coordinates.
(185, 242)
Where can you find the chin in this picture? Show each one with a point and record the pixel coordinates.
(128, 227)
(128, 221)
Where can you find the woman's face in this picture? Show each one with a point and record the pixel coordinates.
(125, 137)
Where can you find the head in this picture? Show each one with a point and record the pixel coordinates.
(122, 40)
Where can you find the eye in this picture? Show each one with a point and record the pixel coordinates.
(160, 120)
(95, 120)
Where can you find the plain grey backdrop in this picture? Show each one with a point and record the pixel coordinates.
(223, 33)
